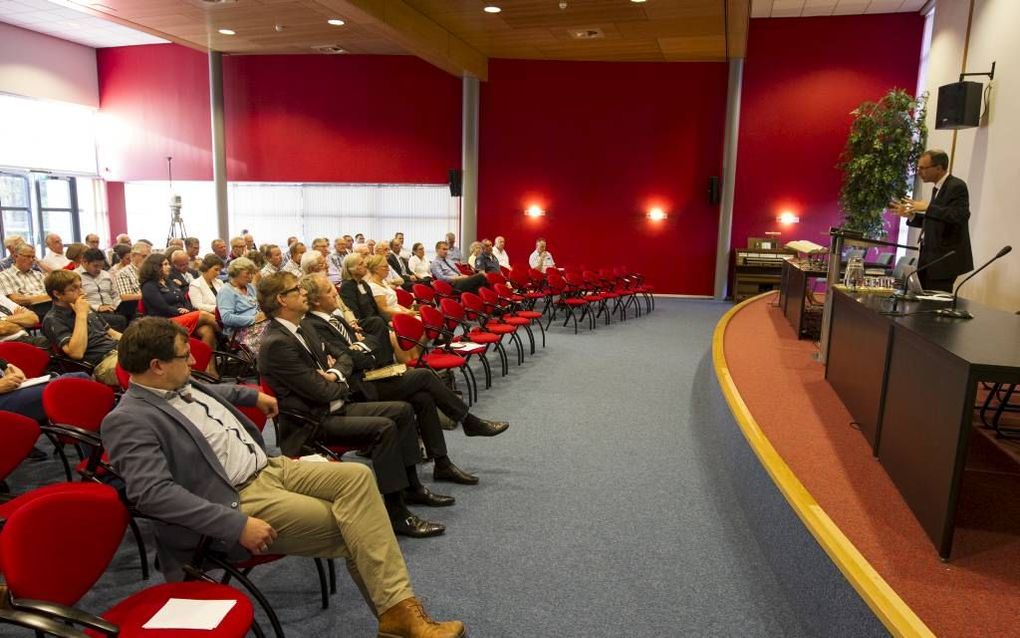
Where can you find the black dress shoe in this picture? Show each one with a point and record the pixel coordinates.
(428, 498)
(454, 474)
(417, 528)
(473, 426)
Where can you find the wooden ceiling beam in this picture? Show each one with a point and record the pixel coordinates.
(738, 16)
(415, 33)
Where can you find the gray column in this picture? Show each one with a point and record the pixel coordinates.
(469, 163)
(722, 251)
(219, 150)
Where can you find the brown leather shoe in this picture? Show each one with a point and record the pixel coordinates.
(407, 619)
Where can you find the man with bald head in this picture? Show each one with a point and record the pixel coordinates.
(499, 250)
(55, 259)
(181, 272)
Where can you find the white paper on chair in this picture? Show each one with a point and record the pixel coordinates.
(466, 345)
(185, 613)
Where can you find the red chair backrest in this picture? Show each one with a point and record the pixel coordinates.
(495, 278)
(519, 278)
(31, 360)
(255, 415)
(83, 403)
(17, 436)
(454, 310)
(57, 544)
(141, 307)
(433, 321)
(404, 298)
(201, 352)
(473, 304)
(442, 287)
(123, 378)
(70, 265)
(409, 330)
(490, 298)
(465, 269)
(504, 271)
(424, 294)
(504, 291)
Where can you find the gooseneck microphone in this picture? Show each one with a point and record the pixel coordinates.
(909, 296)
(963, 314)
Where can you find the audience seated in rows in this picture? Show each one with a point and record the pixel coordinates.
(162, 298)
(444, 269)
(78, 332)
(22, 283)
(204, 289)
(238, 305)
(541, 259)
(14, 319)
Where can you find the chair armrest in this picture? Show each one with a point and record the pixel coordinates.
(40, 623)
(57, 611)
(85, 436)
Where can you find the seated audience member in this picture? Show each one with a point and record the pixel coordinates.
(442, 268)
(355, 292)
(274, 260)
(359, 238)
(370, 246)
(92, 241)
(121, 256)
(128, 287)
(181, 272)
(393, 278)
(237, 248)
(385, 298)
(219, 248)
(224, 485)
(55, 258)
(400, 249)
(336, 259)
(421, 388)
(192, 248)
(27, 401)
(249, 242)
(78, 332)
(398, 265)
(485, 261)
(174, 243)
(499, 250)
(239, 307)
(474, 250)
(13, 321)
(312, 262)
(162, 298)
(75, 253)
(295, 253)
(122, 239)
(258, 258)
(23, 284)
(293, 361)
(10, 243)
(205, 289)
(541, 259)
(419, 264)
(453, 251)
(101, 291)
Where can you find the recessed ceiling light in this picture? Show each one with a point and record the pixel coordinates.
(492, 9)
(336, 22)
(637, 1)
(228, 32)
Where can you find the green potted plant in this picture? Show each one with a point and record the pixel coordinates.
(878, 162)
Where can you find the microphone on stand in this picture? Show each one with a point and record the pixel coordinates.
(903, 293)
(963, 314)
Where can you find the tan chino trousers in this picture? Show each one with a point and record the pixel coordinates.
(332, 510)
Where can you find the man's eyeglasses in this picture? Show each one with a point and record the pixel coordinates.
(185, 356)
(290, 290)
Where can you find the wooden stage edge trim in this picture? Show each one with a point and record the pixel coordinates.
(894, 613)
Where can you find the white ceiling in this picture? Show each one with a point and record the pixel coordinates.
(804, 8)
(61, 21)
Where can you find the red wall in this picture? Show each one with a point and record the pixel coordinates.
(319, 118)
(596, 144)
(802, 78)
(154, 101)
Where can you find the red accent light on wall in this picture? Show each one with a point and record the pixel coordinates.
(657, 214)
(787, 217)
(534, 211)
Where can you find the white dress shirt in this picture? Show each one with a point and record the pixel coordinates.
(502, 256)
(202, 296)
(420, 268)
(541, 264)
(11, 308)
(54, 261)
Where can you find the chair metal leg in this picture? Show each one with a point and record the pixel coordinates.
(143, 555)
(332, 575)
(323, 587)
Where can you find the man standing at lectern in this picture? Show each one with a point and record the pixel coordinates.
(943, 223)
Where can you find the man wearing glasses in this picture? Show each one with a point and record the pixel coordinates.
(943, 223)
(196, 464)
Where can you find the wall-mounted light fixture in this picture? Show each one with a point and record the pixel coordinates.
(787, 217)
(534, 211)
(656, 214)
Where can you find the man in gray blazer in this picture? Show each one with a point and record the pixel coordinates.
(193, 462)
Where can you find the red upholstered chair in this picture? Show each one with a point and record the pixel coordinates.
(568, 298)
(465, 269)
(18, 434)
(46, 573)
(501, 311)
(242, 366)
(639, 285)
(31, 360)
(436, 330)
(444, 290)
(411, 332)
(75, 409)
(424, 295)
(456, 317)
(475, 310)
(518, 304)
(494, 278)
(404, 298)
(123, 377)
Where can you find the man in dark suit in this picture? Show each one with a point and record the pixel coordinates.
(943, 223)
(421, 388)
(355, 292)
(194, 463)
(306, 381)
(399, 265)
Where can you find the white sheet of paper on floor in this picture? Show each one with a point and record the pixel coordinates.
(185, 613)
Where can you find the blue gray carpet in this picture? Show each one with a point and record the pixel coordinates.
(623, 501)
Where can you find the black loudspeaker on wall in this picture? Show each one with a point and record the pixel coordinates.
(714, 193)
(959, 105)
(455, 181)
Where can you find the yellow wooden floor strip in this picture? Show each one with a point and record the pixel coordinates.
(897, 617)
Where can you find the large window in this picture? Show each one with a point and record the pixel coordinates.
(272, 211)
(35, 204)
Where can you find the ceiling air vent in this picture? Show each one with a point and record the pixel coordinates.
(330, 49)
(586, 34)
